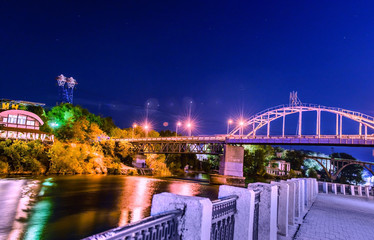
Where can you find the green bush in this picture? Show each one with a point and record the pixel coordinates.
(4, 167)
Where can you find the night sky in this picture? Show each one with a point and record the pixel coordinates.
(227, 57)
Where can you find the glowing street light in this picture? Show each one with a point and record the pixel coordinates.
(241, 124)
(146, 128)
(176, 128)
(229, 122)
(189, 127)
(134, 125)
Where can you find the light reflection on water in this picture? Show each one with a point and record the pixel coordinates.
(74, 207)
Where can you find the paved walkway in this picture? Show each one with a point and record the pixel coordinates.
(338, 218)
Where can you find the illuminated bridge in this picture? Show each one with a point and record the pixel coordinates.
(247, 132)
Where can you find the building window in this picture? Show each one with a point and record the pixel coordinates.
(5, 120)
(22, 120)
(12, 118)
(30, 123)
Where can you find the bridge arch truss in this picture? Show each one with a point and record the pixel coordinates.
(334, 166)
(267, 116)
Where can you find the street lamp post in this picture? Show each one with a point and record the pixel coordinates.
(133, 129)
(146, 127)
(241, 123)
(229, 122)
(176, 128)
(189, 126)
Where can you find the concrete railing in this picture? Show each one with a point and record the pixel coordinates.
(260, 211)
(345, 189)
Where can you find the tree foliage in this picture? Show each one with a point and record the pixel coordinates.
(256, 157)
(296, 158)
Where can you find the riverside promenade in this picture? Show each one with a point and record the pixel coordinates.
(338, 217)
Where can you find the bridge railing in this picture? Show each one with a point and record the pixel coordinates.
(159, 227)
(345, 189)
(222, 138)
(223, 220)
(198, 138)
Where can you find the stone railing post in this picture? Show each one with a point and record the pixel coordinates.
(325, 187)
(297, 198)
(306, 192)
(267, 222)
(367, 193)
(245, 205)
(302, 194)
(291, 201)
(315, 187)
(342, 189)
(283, 202)
(310, 191)
(196, 221)
(353, 190)
(333, 188)
(359, 188)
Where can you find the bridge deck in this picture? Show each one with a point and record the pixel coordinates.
(329, 140)
(338, 218)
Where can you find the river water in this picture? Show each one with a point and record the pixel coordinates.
(73, 207)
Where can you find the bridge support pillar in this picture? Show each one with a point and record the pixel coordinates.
(230, 167)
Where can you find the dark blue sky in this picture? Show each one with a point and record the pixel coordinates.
(227, 57)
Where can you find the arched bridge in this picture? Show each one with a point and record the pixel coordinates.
(334, 166)
(247, 132)
(266, 117)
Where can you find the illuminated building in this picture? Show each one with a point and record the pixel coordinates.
(21, 124)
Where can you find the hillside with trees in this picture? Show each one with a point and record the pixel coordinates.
(83, 145)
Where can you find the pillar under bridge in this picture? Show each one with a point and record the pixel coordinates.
(231, 167)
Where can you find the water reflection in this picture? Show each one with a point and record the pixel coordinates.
(135, 198)
(79, 206)
(182, 188)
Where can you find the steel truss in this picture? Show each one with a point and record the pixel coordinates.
(265, 117)
(333, 166)
(213, 148)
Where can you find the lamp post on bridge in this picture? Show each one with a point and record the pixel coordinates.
(146, 128)
(133, 129)
(229, 122)
(176, 128)
(189, 127)
(241, 124)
